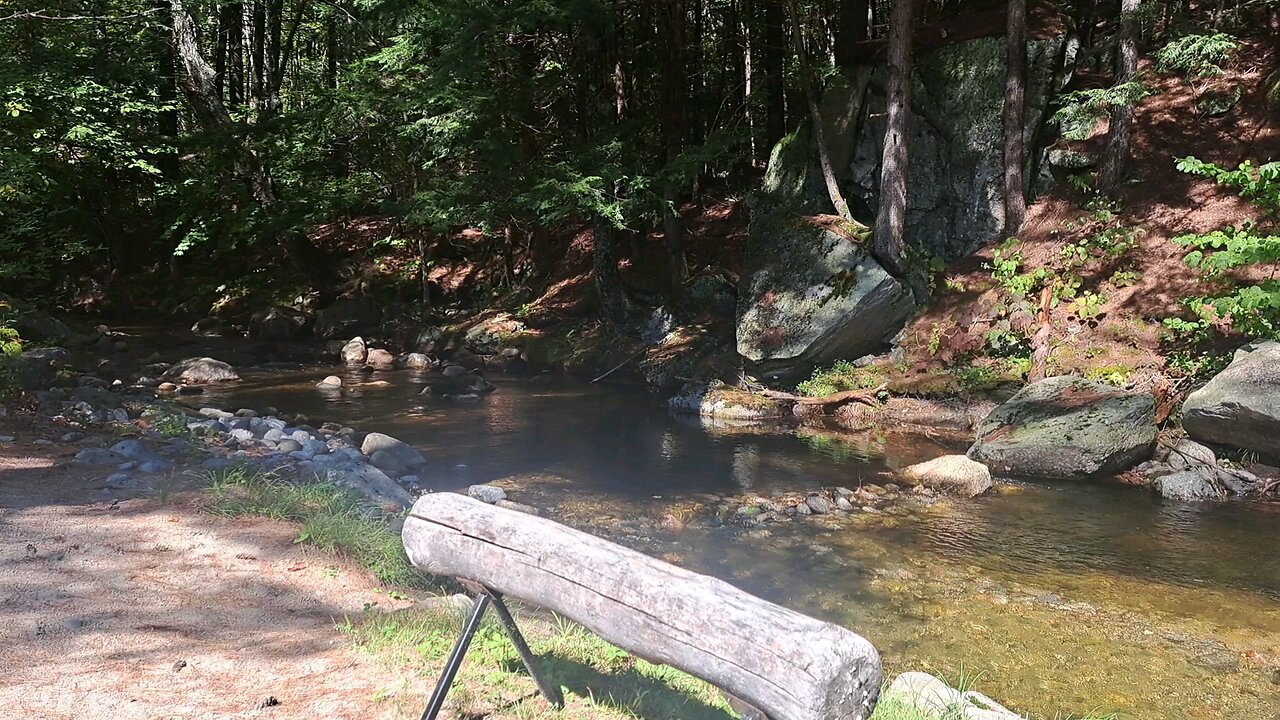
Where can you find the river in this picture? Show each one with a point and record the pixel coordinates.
(1062, 600)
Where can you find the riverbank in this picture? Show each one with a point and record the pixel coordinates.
(193, 593)
(984, 586)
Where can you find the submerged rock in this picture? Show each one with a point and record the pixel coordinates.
(1066, 428)
(955, 474)
(332, 382)
(200, 371)
(1240, 406)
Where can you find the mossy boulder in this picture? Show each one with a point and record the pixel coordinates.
(1066, 428)
(815, 295)
(725, 403)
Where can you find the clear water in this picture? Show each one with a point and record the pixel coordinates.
(1061, 599)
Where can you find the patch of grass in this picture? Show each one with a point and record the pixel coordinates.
(599, 681)
(841, 376)
(170, 423)
(332, 518)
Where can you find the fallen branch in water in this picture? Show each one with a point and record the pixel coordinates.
(866, 397)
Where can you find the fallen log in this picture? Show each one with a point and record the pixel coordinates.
(790, 666)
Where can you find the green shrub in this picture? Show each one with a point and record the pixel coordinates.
(1248, 308)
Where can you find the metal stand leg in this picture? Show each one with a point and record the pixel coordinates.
(455, 658)
(483, 599)
(552, 694)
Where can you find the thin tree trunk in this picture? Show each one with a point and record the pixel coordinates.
(853, 29)
(235, 53)
(888, 245)
(815, 117)
(775, 121)
(259, 34)
(615, 306)
(331, 51)
(1119, 148)
(674, 117)
(1015, 201)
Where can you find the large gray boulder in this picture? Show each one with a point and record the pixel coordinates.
(1240, 406)
(200, 371)
(355, 352)
(38, 369)
(1066, 428)
(813, 295)
(42, 327)
(955, 474)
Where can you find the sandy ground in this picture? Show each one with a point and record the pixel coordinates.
(131, 607)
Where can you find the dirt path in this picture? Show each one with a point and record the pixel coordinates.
(128, 607)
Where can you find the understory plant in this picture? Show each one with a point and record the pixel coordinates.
(1245, 306)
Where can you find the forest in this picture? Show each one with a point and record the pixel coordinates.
(946, 333)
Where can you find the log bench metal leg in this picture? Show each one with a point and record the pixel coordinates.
(484, 598)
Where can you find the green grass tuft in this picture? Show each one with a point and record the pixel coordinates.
(332, 518)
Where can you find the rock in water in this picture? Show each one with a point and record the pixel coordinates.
(414, 361)
(1191, 485)
(487, 493)
(391, 455)
(724, 403)
(955, 474)
(1240, 406)
(332, 382)
(1066, 428)
(200, 371)
(814, 295)
(355, 352)
(380, 359)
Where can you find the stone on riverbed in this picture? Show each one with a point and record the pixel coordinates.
(380, 359)
(1192, 485)
(1240, 406)
(200, 371)
(391, 455)
(333, 382)
(724, 403)
(1067, 428)
(934, 698)
(487, 493)
(954, 474)
(354, 352)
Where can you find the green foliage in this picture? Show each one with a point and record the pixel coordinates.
(841, 376)
(1248, 308)
(1080, 111)
(1197, 56)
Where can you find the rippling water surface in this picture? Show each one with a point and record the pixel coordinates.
(1062, 599)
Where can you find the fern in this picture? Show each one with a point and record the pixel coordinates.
(1197, 57)
(1081, 110)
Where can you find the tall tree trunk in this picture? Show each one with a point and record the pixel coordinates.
(815, 117)
(235, 53)
(331, 51)
(1116, 155)
(259, 43)
(854, 28)
(888, 245)
(615, 306)
(674, 118)
(775, 120)
(1015, 88)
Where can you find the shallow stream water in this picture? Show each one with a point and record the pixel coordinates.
(1062, 600)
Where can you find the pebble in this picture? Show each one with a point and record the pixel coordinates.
(7, 438)
(289, 446)
(72, 437)
(487, 493)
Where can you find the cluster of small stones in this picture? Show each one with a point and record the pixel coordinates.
(750, 511)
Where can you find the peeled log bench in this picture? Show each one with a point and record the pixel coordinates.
(788, 665)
